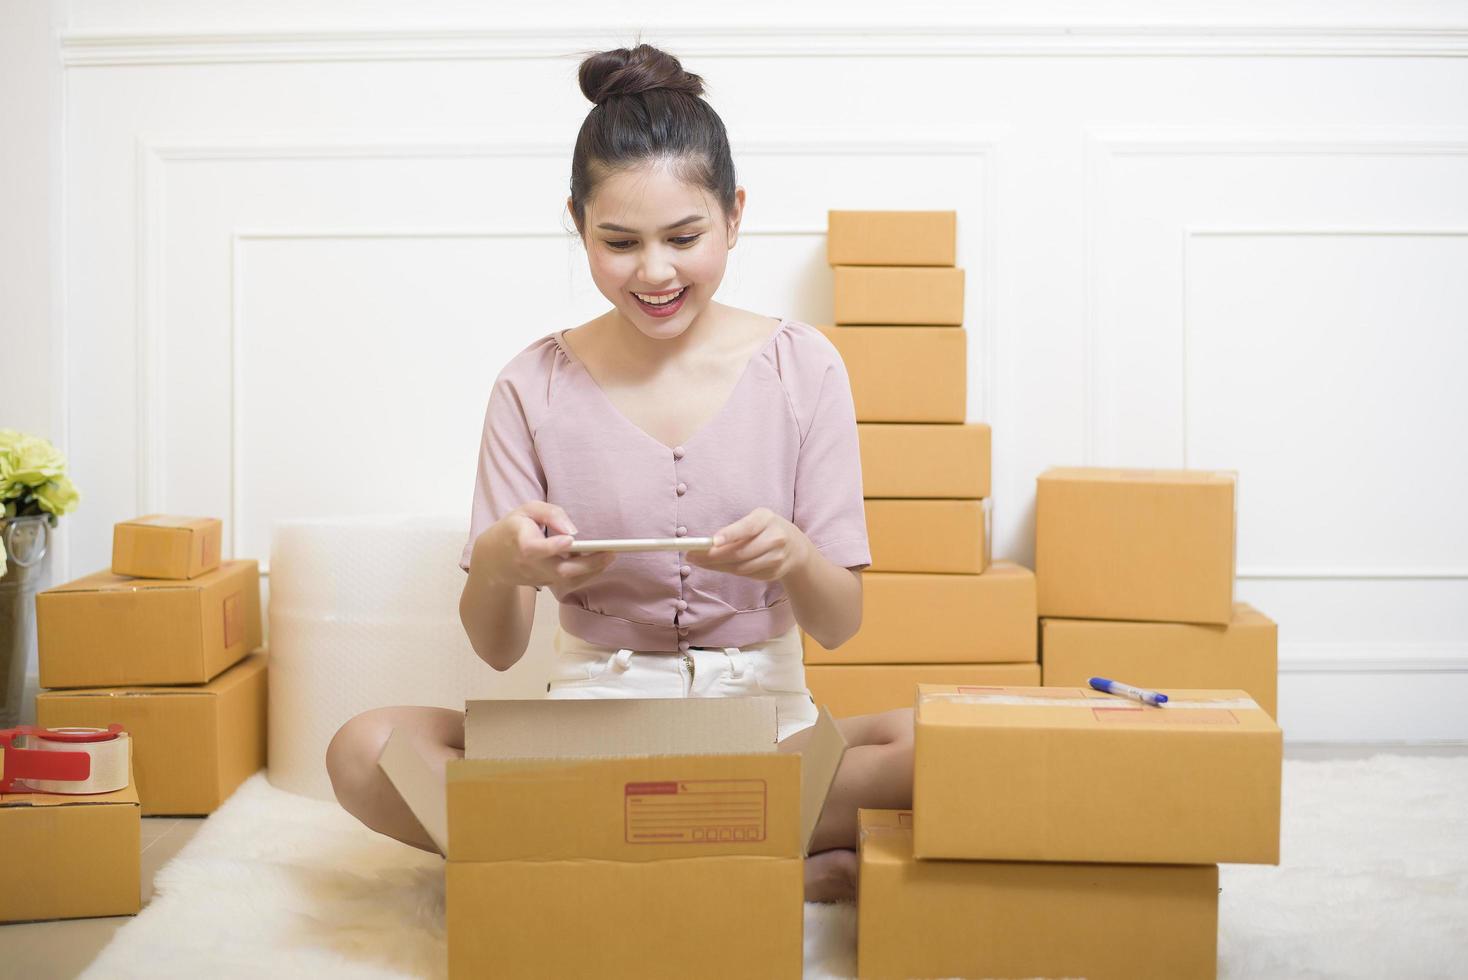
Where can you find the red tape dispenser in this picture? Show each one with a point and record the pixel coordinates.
(76, 761)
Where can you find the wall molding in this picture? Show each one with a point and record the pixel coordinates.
(1373, 658)
(873, 38)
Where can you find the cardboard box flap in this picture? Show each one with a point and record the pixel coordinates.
(171, 521)
(106, 581)
(1090, 474)
(819, 761)
(1073, 707)
(419, 787)
(569, 729)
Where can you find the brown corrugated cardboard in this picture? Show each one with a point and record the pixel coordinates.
(1243, 654)
(911, 618)
(630, 804)
(69, 857)
(925, 460)
(891, 237)
(898, 295)
(863, 689)
(1135, 544)
(916, 374)
(928, 535)
(167, 547)
(191, 745)
(107, 630)
(1065, 774)
(1027, 919)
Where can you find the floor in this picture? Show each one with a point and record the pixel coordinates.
(62, 949)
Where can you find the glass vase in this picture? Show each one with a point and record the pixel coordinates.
(25, 546)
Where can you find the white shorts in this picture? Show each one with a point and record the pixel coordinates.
(773, 668)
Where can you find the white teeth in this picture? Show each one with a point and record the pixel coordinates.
(659, 300)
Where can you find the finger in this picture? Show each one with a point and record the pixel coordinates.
(746, 527)
(549, 516)
(764, 543)
(533, 545)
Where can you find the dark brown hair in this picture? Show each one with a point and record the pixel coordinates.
(647, 109)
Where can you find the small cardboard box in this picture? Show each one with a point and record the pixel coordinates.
(1244, 654)
(891, 237)
(898, 295)
(864, 689)
(70, 857)
(912, 461)
(191, 745)
(1027, 919)
(928, 535)
(916, 374)
(107, 630)
(1065, 774)
(608, 817)
(163, 546)
(912, 618)
(1135, 544)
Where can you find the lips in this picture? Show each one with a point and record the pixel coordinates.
(664, 309)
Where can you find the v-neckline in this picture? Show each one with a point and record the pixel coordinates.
(708, 423)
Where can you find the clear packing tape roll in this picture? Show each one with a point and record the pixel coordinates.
(71, 761)
(363, 614)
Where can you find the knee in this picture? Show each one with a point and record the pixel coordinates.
(895, 727)
(351, 756)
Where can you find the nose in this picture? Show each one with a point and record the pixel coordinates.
(656, 266)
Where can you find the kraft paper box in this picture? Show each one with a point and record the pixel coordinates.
(191, 745)
(916, 374)
(107, 630)
(891, 237)
(928, 535)
(911, 618)
(1027, 919)
(1243, 654)
(70, 857)
(925, 460)
(898, 296)
(864, 689)
(648, 838)
(1070, 774)
(162, 546)
(1135, 544)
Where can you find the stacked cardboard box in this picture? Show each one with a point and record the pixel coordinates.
(1135, 571)
(167, 656)
(936, 608)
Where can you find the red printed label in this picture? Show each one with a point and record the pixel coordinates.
(696, 811)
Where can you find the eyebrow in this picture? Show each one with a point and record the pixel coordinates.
(677, 224)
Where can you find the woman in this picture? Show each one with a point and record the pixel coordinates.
(668, 415)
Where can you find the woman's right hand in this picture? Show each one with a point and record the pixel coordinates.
(516, 550)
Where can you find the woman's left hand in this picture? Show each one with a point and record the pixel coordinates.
(760, 545)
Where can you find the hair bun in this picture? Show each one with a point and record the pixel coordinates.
(619, 72)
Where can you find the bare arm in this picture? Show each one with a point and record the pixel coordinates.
(826, 599)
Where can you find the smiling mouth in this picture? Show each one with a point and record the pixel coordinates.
(663, 299)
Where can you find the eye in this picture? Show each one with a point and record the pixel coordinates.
(620, 245)
(687, 239)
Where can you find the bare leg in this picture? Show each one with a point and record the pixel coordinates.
(365, 791)
(875, 773)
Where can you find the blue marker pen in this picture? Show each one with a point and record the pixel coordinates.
(1127, 691)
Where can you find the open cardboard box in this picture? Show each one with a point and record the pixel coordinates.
(636, 837)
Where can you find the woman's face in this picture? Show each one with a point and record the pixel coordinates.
(658, 247)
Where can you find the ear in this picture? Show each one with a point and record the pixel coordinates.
(572, 211)
(736, 216)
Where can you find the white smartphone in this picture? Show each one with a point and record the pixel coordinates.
(641, 544)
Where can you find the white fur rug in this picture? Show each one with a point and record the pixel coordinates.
(1374, 883)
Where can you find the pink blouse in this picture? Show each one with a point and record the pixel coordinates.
(785, 439)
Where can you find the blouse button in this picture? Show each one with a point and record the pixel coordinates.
(682, 489)
(677, 452)
(683, 631)
(681, 531)
(685, 570)
(684, 645)
(681, 604)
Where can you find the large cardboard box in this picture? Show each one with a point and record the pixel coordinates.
(191, 745)
(898, 295)
(1065, 774)
(1135, 544)
(107, 630)
(928, 535)
(924, 460)
(864, 689)
(916, 374)
(1026, 919)
(1244, 654)
(891, 237)
(647, 838)
(164, 546)
(70, 857)
(911, 618)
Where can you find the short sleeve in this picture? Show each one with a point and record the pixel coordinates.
(509, 472)
(828, 496)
